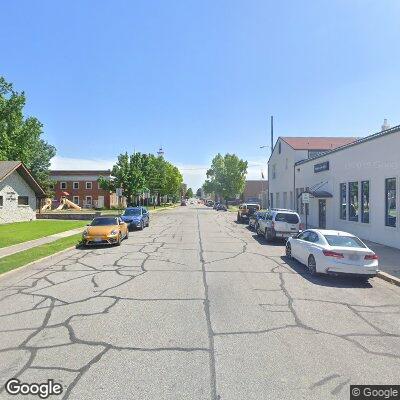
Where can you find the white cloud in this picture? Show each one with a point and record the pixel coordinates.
(80, 163)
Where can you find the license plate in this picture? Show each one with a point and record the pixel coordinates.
(98, 239)
(354, 257)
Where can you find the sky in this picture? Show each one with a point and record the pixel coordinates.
(200, 77)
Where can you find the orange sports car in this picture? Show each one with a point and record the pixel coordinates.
(105, 230)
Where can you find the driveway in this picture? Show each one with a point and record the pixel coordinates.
(194, 307)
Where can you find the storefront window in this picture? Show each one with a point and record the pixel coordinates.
(353, 201)
(343, 201)
(390, 200)
(365, 202)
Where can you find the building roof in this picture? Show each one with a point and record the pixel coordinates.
(80, 172)
(377, 135)
(8, 167)
(317, 143)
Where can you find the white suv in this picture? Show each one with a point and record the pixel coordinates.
(278, 223)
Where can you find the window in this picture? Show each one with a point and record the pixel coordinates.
(365, 202)
(288, 218)
(1, 201)
(284, 199)
(286, 164)
(353, 201)
(63, 185)
(88, 185)
(280, 147)
(390, 202)
(344, 241)
(272, 201)
(274, 171)
(89, 200)
(301, 201)
(277, 200)
(75, 185)
(343, 201)
(75, 199)
(23, 200)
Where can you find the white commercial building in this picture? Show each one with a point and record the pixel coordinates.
(355, 188)
(288, 151)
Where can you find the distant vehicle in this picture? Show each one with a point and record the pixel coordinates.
(246, 210)
(209, 203)
(183, 203)
(105, 230)
(221, 207)
(333, 252)
(136, 217)
(279, 223)
(253, 219)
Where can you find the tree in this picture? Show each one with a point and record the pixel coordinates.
(20, 137)
(226, 177)
(189, 193)
(127, 174)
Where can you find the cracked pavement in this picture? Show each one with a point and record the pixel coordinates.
(194, 307)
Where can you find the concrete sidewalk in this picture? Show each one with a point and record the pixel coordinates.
(16, 248)
(389, 258)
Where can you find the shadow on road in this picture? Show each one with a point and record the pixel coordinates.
(326, 280)
(263, 241)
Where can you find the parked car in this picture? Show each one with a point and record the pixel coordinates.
(221, 207)
(246, 210)
(105, 230)
(333, 252)
(136, 217)
(253, 219)
(183, 203)
(279, 223)
(209, 203)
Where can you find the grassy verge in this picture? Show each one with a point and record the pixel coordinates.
(233, 208)
(20, 232)
(24, 257)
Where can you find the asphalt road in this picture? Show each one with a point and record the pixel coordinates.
(194, 307)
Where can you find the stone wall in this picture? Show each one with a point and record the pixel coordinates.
(10, 188)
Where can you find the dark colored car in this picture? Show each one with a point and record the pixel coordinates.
(183, 203)
(246, 210)
(136, 217)
(221, 207)
(254, 218)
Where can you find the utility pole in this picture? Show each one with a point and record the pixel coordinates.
(272, 133)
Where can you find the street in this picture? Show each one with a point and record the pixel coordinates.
(194, 307)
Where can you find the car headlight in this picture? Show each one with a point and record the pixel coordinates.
(114, 232)
(85, 233)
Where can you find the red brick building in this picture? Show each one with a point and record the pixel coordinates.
(82, 188)
(256, 191)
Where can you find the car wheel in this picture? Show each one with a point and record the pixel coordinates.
(259, 233)
(141, 226)
(127, 234)
(267, 235)
(312, 265)
(119, 240)
(289, 251)
(238, 218)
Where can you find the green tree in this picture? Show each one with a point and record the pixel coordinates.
(226, 176)
(127, 174)
(189, 193)
(20, 136)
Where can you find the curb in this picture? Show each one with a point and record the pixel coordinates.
(388, 278)
(38, 260)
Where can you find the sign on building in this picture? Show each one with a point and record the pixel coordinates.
(324, 166)
(305, 198)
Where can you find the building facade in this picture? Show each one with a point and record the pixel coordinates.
(256, 191)
(287, 151)
(355, 188)
(82, 188)
(19, 193)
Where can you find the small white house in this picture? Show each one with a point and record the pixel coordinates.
(18, 193)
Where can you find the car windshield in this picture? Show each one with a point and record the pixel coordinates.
(289, 218)
(344, 241)
(132, 211)
(104, 221)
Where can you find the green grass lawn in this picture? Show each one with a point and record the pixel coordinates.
(150, 208)
(20, 232)
(24, 257)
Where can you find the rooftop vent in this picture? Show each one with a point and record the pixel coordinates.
(385, 125)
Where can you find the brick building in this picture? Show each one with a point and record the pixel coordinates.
(82, 188)
(256, 191)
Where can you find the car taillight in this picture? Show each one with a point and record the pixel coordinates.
(334, 254)
(301, 227)
(371, 257)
